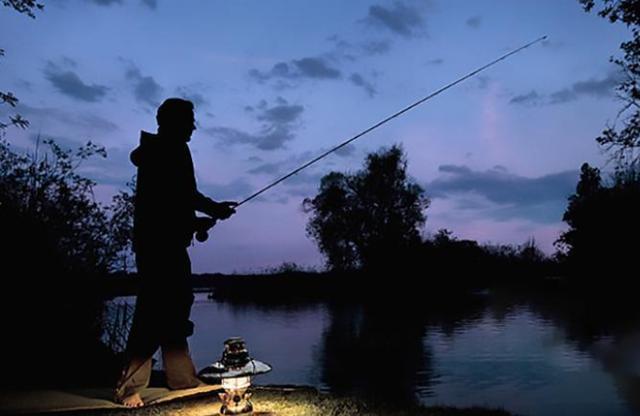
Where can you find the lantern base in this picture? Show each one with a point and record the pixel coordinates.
(247, 410)
(236, 404)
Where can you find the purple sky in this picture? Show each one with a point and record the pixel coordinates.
(275, 83)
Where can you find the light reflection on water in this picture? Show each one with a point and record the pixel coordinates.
(513, 359)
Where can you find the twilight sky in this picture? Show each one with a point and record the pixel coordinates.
(277, 82)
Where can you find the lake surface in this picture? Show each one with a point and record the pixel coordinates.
(528, 358)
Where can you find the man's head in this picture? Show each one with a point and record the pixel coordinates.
(175, 118)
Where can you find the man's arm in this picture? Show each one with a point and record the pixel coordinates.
(217, 210)
(201, 203)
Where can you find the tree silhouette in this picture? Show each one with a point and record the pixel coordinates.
(583, 215)
(368, 219)
(603, 219)
(47, 190)
(624, 141)
(603, 224)
(530, 252)
(56, 242)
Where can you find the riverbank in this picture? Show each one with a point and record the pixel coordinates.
(309, 286)
(290, 401)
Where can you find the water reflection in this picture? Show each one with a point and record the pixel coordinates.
(519, 363)
(530, 355)
(376, 352)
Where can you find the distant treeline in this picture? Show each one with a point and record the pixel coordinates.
(442, 265)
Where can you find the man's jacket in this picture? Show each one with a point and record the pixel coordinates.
(166, 194)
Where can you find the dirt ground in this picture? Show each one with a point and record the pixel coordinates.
(271, 401)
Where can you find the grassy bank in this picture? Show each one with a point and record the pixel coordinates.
(293, 402)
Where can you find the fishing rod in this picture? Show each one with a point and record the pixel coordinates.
(386, 120)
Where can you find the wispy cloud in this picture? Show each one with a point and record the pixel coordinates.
(151, 4)
(345, 50)
(279, 123)
(474, 22)
(282, 167)
(327, 65)
(310, 67)
(553, 44)
(268, 138)
(145, 89)
(483, 81)
(376, 47)
(359, 81)
(236, 189)
(266, 168)
(281, 113)
(301, 185)
(69, 83)
(505, 195)
(57, 116)
(106, 2)
(193, 94)
(316, 68)
(399, 18)
(594, 87)
(346, 151)
(531, 98)
(598, 88)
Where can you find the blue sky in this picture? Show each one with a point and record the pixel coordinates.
(275, 83)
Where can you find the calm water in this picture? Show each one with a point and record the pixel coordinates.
(526, 358)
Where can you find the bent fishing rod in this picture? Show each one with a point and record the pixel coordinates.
(386, 120)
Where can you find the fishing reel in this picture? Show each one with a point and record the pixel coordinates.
(202, 226)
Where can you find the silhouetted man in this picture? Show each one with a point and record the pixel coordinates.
(164, 223)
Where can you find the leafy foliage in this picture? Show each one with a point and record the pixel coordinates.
(370, 218)
(603, 222)
(121, 227)
(27, 7)
(623, 141)
(48, 190)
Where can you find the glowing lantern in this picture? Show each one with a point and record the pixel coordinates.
(235, 369)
